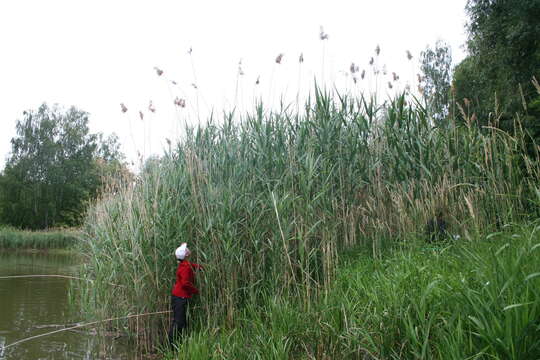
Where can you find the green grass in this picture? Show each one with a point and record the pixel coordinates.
(270, 201)
(474, 299)
(14, 239)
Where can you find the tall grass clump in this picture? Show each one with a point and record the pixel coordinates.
(13, 239)
(268, 200)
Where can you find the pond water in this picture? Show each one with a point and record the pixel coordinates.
(30, 306)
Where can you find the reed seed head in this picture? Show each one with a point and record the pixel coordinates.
(240, 71)
(279, 58)
(322, 34)
(123, 107)
(536, 84)
(159, 72)
(409, 55)
(301, 58)
(377, 50)
(180, 102)
(141, 115)
(151, 107)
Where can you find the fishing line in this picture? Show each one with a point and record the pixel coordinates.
(81, 325)
(58, 276)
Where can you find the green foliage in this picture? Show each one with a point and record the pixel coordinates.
(269, 201)
(436, 68)
(53, 169)
(504, 54)
(470, 84)
(470, 300)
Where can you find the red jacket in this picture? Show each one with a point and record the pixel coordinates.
(185, 280)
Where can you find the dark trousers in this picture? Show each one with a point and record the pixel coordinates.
(179, 307)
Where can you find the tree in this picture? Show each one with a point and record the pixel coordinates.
(504, 55)
(2, 200)
(436, 66)
(52, 169)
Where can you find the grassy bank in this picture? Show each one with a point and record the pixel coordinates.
(268, 201)
(473, 299)
(14, 239)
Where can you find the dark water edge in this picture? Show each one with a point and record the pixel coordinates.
(31, 306)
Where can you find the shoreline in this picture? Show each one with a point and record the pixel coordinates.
(52, 251)
(41, 240)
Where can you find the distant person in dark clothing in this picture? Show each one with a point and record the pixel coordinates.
(184, 288)
(436, 228)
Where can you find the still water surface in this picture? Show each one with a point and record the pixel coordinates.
(36, 305)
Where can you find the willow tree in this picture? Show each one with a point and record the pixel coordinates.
(54, 168)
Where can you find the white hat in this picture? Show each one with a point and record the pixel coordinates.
(182, 251)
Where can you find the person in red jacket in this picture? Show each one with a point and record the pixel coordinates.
(184, 288)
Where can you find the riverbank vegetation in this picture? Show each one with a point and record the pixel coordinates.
(14, 239)
(469, 299)
(269, 201)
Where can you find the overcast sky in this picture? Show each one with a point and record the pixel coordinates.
(97, 54)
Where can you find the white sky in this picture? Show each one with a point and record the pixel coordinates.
(97, 54)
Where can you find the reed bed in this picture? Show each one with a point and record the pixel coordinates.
(13, 239)
(268, 201)
(477, 299)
